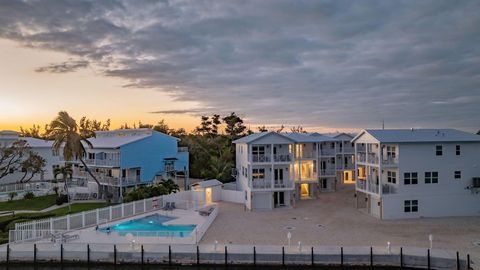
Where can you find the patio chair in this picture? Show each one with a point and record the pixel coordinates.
(167, 206)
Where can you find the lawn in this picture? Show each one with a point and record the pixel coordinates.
(35, 204)
(8, 222)
(78, 207)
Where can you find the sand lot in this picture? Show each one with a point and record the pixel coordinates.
(333, 219)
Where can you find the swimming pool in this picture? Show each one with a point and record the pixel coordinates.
(150, 226)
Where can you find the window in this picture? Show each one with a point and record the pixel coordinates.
(410, 206)
(431, 177)
(438, 150)
(258, 174)
(457, 150)
(391, 151)
(410, 178)
(258, 150)
(91, 155)
(458, 174)
(392, 177)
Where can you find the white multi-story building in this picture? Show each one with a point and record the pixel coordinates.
(39, 146)
(416, 173)
(277, 169)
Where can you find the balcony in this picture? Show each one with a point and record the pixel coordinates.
(103, 162)
(389, 189)
(361, 157)
(261, 184)
(261, 158)
(327, 152)
(347, 150)
(283, 184)
(368, 185)
(282, 158)
(328, 172)
(372, 158)
(390, 160)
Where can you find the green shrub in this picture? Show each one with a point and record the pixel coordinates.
(29, 196)
(61, 199)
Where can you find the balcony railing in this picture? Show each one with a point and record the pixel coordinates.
(261, 184)
(328, 172)
(103, 162)
(283, 184)
(346, 150)
(372, 158)
(389, 189)
(390, 160)
(282, 158)
(367, 185)
(327, 152)
(261, 158)
(362, 157)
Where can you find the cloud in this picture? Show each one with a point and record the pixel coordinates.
(343, 64)
(190, 111)
(64, 67)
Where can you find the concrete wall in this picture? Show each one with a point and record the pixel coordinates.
(233, 196)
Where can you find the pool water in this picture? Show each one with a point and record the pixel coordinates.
(152, 225)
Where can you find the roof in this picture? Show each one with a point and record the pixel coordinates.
(295, 137)
(306, 137)
(419, 135)
(115, 141)
(255, 136)
(36, 143)
(207, 183)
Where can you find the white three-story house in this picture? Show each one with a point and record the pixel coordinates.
(277, 169)
(414, 173)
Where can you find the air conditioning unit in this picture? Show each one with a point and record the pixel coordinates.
(476, 182)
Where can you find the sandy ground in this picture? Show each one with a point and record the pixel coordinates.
(333, 219)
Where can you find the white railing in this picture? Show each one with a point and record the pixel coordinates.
(98, 216)
(328, 171)
(25, 187)
(260, 158)
(261, 183)
(327, 152)
(282, 158)
(103, 162)
(389, 160)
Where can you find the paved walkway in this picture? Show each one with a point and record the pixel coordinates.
(333, 219)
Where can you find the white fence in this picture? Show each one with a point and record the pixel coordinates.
(233, 196)
(37, 229)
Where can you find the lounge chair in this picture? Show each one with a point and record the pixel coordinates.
(167, 206)
(206, 212)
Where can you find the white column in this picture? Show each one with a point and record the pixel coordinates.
(380, 175)
(272, 168)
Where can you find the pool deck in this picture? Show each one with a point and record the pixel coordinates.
(184, 217)
(333, 220)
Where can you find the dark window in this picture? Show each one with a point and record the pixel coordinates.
(392, 177)
(431, 177)
(458, 174)
(439, 150)
(410, 206)
(457, 150)
(410, 178)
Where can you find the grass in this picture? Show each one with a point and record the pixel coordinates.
(78, 207)
(35, 204)
(8, 222)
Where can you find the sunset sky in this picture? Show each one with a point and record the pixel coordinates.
(325, 65)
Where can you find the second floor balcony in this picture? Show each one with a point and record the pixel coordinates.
(389, 160)
(265, 184)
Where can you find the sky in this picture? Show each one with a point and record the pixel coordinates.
(325, 65)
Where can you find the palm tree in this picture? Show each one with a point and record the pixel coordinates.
(66, 133)
(66, 172)
(170, 186)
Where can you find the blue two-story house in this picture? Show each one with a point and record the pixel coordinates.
(121, 159)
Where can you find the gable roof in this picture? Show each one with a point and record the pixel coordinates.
(306, 137)
(419, 135)
(255, 136)
(115, 141)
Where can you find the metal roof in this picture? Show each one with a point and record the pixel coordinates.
(419, 135)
